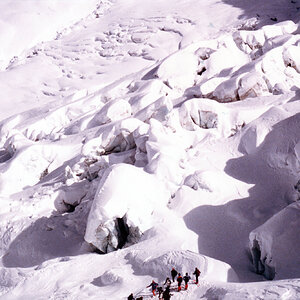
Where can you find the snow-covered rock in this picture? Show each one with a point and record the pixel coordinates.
(273, 67)
(291, 57)
(112, 137)
(252, 85)
(280, 28)
(68, 197)
(145, 93)
(113, 111)
(158, 110)
(179, 69)
(131, 202)
(31, 163)
(227, 91)
(109, 278)
(166, 153)
(225, 60)
(207, 88)
(249, 40)
(201, 113)
(275, 245)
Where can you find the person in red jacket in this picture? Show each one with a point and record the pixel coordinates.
(153, 285)
(179, 280)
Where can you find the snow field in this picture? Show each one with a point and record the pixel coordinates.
(172, 148)
(38, 23)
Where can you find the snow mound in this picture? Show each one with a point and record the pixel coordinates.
(183, 261)
(275, 245)
(209, 181)
(121, 213)
(257, 63)
(113, 137)
(31, 162)
(144, 93)
(291, 56)
(113, 111)
(252, 85)
(199, 113)
(68, 197)
(110, 277)
(179, 69)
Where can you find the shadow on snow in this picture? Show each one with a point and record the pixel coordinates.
(224, 230)
(268, 12)
(45, 239)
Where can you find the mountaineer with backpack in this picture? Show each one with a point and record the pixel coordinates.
(173, 274)
(160, 291)
(179, 280)
(197, 274)
(153, 285)
(130, 297)
(167, 282)
(186, 279)
(166, 294)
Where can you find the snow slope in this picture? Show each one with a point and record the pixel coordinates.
(136, 138)
(27, 23)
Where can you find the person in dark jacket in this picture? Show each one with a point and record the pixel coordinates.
(166, 294)
(153, 285)
(179, 280)
(130, 297)
(160, 291)
(197, 274)
(186, 280)
(167, 282)
(173, 274)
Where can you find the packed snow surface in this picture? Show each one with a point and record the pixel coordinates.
(135, 138)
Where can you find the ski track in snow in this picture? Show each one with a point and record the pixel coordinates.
(152, 98)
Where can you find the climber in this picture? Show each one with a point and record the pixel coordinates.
(186, 279)
(130, 297)
(160, 291)
(179, 280)
(197, 274)
(153, 285)
(167, 282)
(173, 274)
(166, 294)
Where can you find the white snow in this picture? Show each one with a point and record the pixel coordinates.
(135, 200)
(278, 244)
(136, 137)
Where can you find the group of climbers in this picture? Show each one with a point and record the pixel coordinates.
(185, 278)
(166, 294)
(162, 294)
